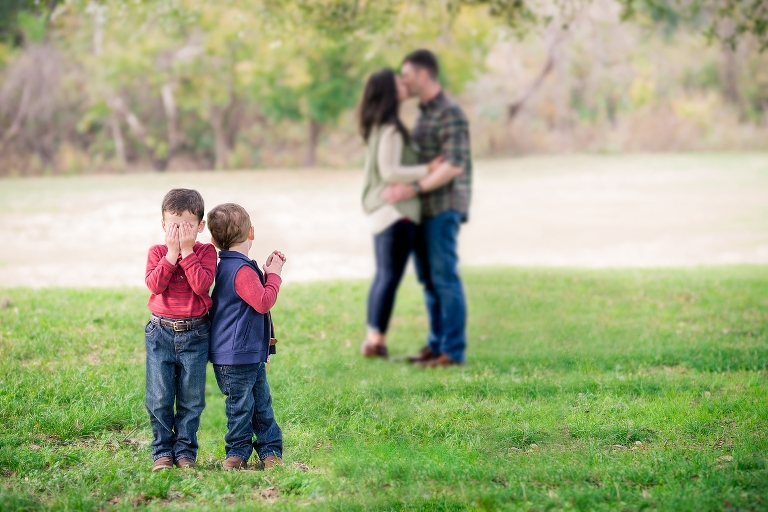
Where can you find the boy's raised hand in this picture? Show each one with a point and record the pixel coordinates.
(274, 264)
(172, 242)
(187, 237)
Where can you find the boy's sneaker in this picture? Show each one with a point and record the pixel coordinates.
(233, 463)
(162, 463)
(269, 462)
(185, 463)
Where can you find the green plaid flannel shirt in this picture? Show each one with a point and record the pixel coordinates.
(442, 129)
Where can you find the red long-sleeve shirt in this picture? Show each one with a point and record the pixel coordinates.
(181, 290)
(260, 297)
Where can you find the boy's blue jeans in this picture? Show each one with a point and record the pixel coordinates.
(175, 373)
(249, 411)
(437, 267)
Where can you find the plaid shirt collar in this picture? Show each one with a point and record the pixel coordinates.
(432, 104)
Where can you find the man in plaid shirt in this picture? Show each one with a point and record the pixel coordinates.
(441, 130)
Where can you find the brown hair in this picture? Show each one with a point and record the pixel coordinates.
(424, 59)
(180, 200)
(229, 224)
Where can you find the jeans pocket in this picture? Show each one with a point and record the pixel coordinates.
(221, 372)
(150, 328)
(203, 331)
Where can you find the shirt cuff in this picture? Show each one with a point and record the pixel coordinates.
(189, 260)
(167, 264)
(273, 278)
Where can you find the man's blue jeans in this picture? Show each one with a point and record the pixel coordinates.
(175, 374)
(249, 411)
(437, 267)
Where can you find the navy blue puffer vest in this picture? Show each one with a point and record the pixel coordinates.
(239, 333)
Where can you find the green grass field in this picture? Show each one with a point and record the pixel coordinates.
(588, 390)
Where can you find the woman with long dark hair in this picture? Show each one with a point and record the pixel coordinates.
(390, 159)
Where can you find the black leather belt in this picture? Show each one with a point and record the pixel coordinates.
(180, 325)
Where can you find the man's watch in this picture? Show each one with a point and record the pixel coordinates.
(416, 187)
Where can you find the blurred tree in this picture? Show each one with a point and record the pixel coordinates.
(319, 61)
(153, 80)
(317, 89)
(226, 71)
(321, 68)
(15, 19)
(755, 89)
(197, 59)
(30, 90)
(727, 20)
(747, 17)
(124, 77)
(461, 36)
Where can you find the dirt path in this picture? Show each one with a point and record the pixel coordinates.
(585, 211)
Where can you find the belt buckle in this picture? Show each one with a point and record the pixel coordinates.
(183, 324)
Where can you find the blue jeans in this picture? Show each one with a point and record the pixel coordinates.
(392, 246)
(437, 267)
(249, 411)
(175, 374)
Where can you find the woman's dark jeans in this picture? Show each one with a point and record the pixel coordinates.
(393, 246)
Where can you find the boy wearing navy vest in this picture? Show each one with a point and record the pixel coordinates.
(241, 329)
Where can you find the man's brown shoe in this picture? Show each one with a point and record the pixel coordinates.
(269, 462)
(162, 463)
(424, 355)
(234, 463)
(374, 350)
(185, 463)
(441, 360)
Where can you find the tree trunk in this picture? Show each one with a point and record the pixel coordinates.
(611, 108)
(233, 115)
(169, 105)
(220, 136)
(51, 7)
(731, 75)
(225, 123)
(562, 92)
(45, 148)
(117, 135)
(314, 139)
(98, 13)
(765, 111)
(138, 130)
(556, 36)
(21, 114)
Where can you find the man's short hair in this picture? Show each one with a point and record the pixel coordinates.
(424, 59)
(229, 224)
(180, 200)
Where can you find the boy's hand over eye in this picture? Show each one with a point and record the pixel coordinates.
(187, 236)
(172, 242)
(274, 264)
